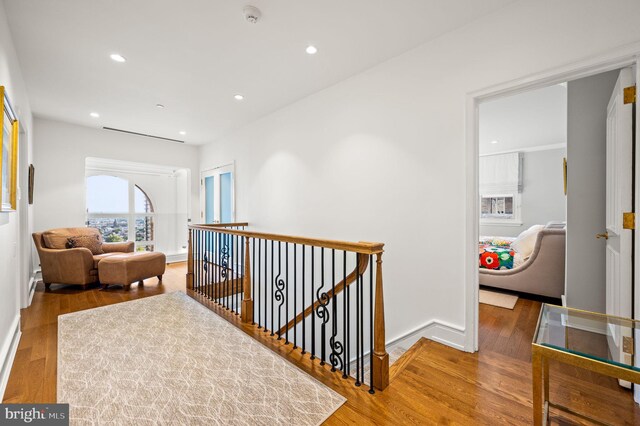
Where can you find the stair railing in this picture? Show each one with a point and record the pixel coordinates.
(324, 297)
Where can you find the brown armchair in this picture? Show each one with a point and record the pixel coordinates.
(62, 265)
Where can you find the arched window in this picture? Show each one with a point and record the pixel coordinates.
(121, 211)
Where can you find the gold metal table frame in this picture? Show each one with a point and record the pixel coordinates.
(542, 353)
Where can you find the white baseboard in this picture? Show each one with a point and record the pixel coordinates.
(178, 257)
(9, 348)
(435, 330)
(33, 281)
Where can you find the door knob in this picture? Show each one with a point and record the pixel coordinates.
(604, 235)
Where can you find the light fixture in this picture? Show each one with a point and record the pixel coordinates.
(494, 141)
(238, 97)
(182, 132)
(159, 106)
(118, 58)
(94, 114)
(311, 49)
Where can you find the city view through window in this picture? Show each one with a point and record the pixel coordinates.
(109, 209)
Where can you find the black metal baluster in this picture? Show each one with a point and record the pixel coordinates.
(358, 329)
(303, 302)
(313, 311)
(226, 270)
(295, 298)
(196, 261)
(254, 296)
(348, 324)
(242, 249)
(279, 297)
(258, 266)
(335, 346)
(360, 283)
(217, 286)
(322, 310)
(344, 313)
(272, 291)
(371, 324)
(286, 292)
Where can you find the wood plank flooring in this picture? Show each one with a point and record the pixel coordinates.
(434, 384)
(34, 371)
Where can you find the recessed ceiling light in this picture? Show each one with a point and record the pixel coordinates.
(311, 49)
(182, 132)
(118, 58)
(159, 106)
(494, 141)
(238, 97)
(94, 115)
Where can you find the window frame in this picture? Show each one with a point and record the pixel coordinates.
(516, 220)
(131, 215)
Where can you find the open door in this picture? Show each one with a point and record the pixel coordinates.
(619, 205)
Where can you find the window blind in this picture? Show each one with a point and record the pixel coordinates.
(501, 173)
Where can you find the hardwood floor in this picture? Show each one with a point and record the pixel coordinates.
(33, 375)
(432, 383)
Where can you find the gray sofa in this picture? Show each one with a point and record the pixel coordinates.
(542, 273)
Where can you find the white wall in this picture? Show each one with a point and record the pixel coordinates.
(586, 190)
(60, 153)
(542, 196)
(381, 156)
(14, 252)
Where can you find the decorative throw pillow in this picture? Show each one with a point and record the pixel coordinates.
(92, 242)
(526, 241)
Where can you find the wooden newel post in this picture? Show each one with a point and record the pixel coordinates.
(190, 263)
(380, 368)
(247, 302)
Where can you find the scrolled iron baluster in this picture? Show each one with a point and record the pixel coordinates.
(337, 349)
(279, 293)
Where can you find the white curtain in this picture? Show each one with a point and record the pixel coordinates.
(501, 173)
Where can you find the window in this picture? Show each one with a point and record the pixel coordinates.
(497, 206)
(121, 211)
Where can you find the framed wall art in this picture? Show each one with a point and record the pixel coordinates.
(8, 155)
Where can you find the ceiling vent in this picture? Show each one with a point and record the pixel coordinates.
(142, 134)
(251, 14)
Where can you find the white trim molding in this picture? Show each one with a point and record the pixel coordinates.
(8, 353)
(439, 331)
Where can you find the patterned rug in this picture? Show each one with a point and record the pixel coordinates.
(169, 360)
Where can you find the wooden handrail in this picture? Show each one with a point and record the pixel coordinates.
(223, 225)
(360, 247)
(361, 267)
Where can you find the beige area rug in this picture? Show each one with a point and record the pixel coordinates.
(501, 300)
(169, 360)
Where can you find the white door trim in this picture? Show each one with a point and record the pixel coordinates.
(618, 58)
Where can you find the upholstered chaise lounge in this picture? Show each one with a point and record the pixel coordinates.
(65, 258)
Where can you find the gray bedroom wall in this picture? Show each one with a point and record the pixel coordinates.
(586, 152)
(543, 197)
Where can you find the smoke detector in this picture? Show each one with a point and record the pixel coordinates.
(251, 14)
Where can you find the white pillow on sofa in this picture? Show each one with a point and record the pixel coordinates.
(526, 241)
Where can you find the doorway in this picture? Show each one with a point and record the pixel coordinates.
(217, 189)
(579, 74)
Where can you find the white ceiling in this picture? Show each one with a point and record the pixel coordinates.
(194, 55)
(523, 121)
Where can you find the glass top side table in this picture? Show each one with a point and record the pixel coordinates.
(582, 339)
